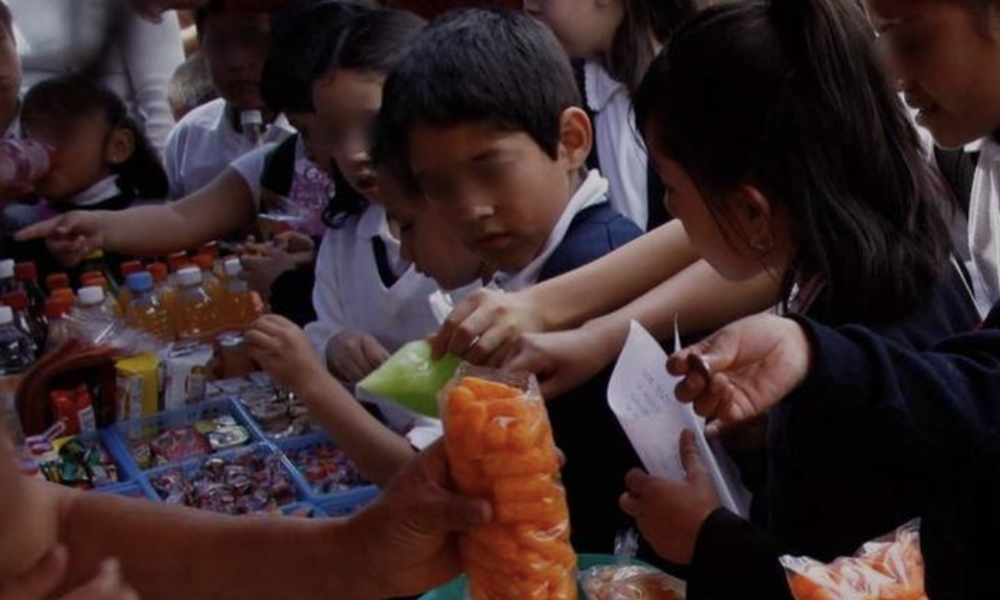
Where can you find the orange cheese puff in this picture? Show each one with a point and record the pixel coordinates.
(479, 555)
(469, 478)
(489, 390)
(564, 588)
(545, 513)
(527, 433)
(525, 488)
(804, 588)
(508, 464)
(467, 430)
(497, 539)
(495, 434)
(552, 543)
(514, 408)
(460, 398)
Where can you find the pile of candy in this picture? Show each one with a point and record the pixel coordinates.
(280, 415)
(245, 485)
(179, 444)
(83, 465)
(327, 469)
(625, 582)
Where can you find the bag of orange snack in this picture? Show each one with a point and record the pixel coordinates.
(889, 568)
(500, 447)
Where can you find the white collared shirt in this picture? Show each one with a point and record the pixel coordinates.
(104, 189)
(593, 191)
(620, 152)
(205, 142)
(350, 294)
(982, 252)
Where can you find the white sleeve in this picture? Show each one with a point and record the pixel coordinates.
(152, 52)
(250, 166)
(330, 318)
(172, 161)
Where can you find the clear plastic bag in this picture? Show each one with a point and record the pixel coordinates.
(889, 568)
(500, 447)
(626, 580)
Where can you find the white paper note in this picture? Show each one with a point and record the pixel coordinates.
(641, 394)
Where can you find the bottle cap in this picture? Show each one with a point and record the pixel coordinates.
(140, 282)
(57, 281)
(251, 118)
(204, 261)
(189, 276)
(6, 269)
(64, 293)
(177, 260)
(211, 248)
(91, 295)
(158, 271)
(95, 281)
(57, 307)
(26, 271)
(6, 315)
(132, 266)
(17, 300)
(90, 275)
(233, 267)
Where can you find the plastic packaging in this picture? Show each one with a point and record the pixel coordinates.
(195, 314)
(240, 308)
(889, 568)
(7, 282)
(22, 162)
(500, 447)
(25, 320)
(137, 386)
(96, 262)
(187, 370)
(26, 274)
(144, 311)
(60, 327)
(16, 348)
(125, 295)
(209, 281)
(411, 378)
(165, 291)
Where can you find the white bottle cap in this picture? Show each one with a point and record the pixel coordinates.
(90, 296)
(6, 269)
(233, 267)
(189, 276)
(6, 315)
(251, 117)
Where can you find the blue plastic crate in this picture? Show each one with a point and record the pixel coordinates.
(356, 496)
(259, 429)
(126, 434)
(191, 468)
(125, 467)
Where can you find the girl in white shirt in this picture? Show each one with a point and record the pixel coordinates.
(617, 40)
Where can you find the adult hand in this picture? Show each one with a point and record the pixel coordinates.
(44, 578)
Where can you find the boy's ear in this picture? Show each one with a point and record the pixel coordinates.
(120, 146)
(576, 137)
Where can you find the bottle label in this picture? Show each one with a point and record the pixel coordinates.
(87, 421)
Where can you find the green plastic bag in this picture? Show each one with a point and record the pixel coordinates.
(411, 378)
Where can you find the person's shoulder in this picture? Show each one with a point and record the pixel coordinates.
(204, 117)
(594, 232)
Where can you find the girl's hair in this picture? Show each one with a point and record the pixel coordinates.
(63, 100)
(372, 42)
(787, 96)
(632, 49)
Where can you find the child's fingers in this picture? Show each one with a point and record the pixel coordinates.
(690, 458)
(39, 230)
(260, 341)
(630, 505)
(637, 482)
(373, 352)
(487, 344)
(41, 580)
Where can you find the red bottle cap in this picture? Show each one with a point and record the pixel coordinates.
(17, 300)
(177, 260)
(158, 271)
(132, 266)
(57, 307)
(204, 262)
(26, 271)
(57, 281)
(211, 249)
(64, 293)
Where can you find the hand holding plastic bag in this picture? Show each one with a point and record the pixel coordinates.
(412, 378)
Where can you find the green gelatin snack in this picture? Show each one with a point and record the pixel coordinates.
(411, 378)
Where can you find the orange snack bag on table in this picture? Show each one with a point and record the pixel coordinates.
(889, 568)
(500, 447)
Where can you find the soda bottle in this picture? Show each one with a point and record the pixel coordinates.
(65, 293)
(24, 320)
(63, 404)
(209, 281)
(125, 295)
(109, 299)
(91, 305)
(7, 282)
(239, 306)
(145, 311)
(26, 274)
(195, 315)
(22, 162)
(16, 351)
(60, 328)
(161, 284)
(96, 262)
(85, 410)
(57, 281)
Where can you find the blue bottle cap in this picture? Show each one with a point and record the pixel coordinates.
(140, 282)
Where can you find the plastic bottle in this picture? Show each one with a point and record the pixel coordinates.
(57, 281)
(66, 293)
(26, 274)
(64, 408)
(22, 162)
(96, 262)
(165, 290)
(60, 328)
(125, 295)
(239, 307)
(7, 282)
(16, 351)
(195, 315)
(91, 304)
(85, 410)
(209, 281)
(144, 311)
(110, 302)
(252, 124)
(24, 319)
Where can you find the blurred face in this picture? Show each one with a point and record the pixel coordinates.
(83, 151)
(347, 104)
(10, 78)
(584, 27)
(945, 58)
(236, 45)
(499, 189)
(428, 241)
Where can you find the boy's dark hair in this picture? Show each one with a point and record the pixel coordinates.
(492, 66)
(215, 7)
(787, 96)
(644, 20)
(63, 100)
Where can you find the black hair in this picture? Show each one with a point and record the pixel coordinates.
(372, 43)
(632, 48)
(788, 96)
(491, 66)
(67, 98)
(216, 7)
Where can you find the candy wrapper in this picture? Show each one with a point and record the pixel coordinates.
(630, 582)
(500, 447)
(411, 378)
(889, 568)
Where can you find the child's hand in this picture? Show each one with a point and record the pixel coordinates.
(295, 242)
(284, 351)
(751, 365)
(43, 579)
(562, 360)
(670, 514)
(485, 326)
(70, 238)
(352, 355)
(268, 262)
